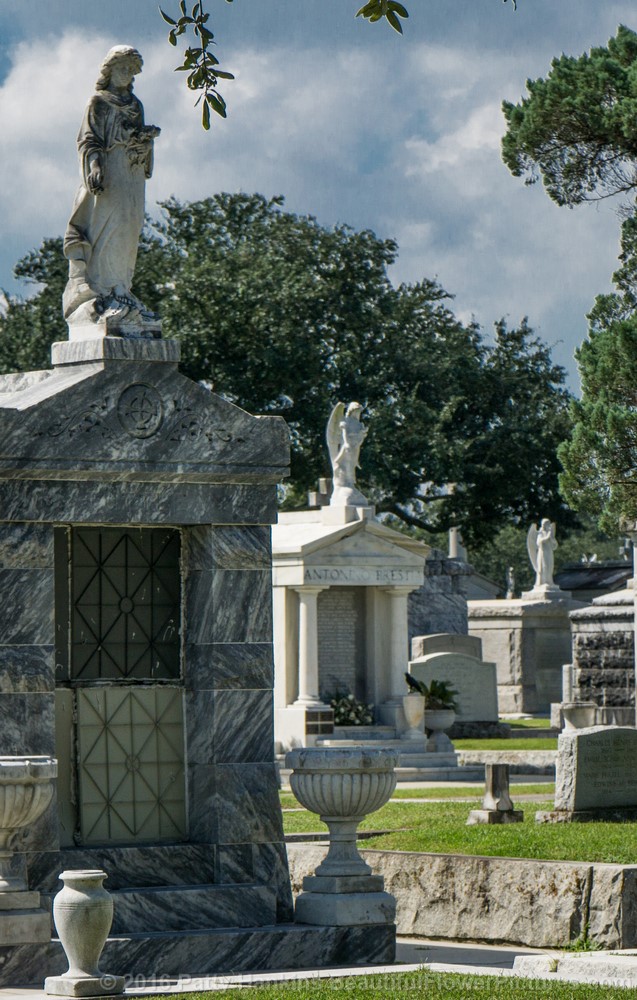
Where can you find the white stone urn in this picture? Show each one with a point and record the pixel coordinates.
(414, 709)
(438, 720)
(342, 786)
(83, 914)
(26, 790)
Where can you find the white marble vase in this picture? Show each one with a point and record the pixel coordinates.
(342, 786)
(437, 721)
(414, 709)
(83, 914)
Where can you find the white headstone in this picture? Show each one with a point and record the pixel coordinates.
(474, 680)
(446, 642)
(596, 768)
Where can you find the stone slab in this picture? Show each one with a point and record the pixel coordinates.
(19, 900)
(114, 349)
(542, 904)
(607, 968)
(446, 642)
(24, 926)
(201, 907)
(347, 909)
(106, 985)
(474, 680)
(596, 768)
(202, 953)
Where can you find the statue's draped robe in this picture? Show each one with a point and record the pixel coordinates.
(104, 229)
(546, 545)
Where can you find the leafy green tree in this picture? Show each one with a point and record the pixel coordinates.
(600, 459)
(282, 315)
(577, 129)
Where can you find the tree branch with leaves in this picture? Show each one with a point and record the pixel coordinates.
(203, 67)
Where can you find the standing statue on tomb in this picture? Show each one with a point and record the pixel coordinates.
(116, 158)
(345, 436)
(541, 545)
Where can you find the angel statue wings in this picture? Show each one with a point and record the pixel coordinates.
(345, 435)
(541, 545)
(116, 158)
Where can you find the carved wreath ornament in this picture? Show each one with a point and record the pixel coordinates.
(141, 412)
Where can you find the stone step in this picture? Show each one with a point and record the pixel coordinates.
(190, 908)
(148, 956)
(359, 733)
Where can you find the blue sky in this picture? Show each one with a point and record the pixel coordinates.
(349, 121)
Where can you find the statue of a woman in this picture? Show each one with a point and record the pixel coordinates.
(102, 237)
(345, 436)
(541, 545)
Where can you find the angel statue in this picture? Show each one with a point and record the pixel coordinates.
(116, 158)
(541, 545)
(345, 435)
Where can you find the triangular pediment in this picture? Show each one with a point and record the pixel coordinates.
(139, 418)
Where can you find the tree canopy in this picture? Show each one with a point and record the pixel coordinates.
(282, 315)
(600, 460)
(577, 129)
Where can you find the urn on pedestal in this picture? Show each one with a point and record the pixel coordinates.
(83, 914)
(343, 786)
(26, 791)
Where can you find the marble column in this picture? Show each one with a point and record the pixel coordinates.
(308, 647)
(391, 711)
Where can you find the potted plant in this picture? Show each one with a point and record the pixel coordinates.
(440, 711)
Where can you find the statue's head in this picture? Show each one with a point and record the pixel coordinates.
(119, 55)
(354, 410)
(546, 524)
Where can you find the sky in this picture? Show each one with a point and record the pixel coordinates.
(349, 121)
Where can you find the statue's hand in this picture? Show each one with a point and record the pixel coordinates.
(95, 179)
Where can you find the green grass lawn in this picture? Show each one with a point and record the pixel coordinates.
(429, 827)
(513, 743)
(527, 723)
(416, 986)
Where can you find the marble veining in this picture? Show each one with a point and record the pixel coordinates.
(26, 546)
(203, 813)
(247, 803)
(166, 864)
(199, 907)
(26, 611)
(235, 863)
(271, 867)
(146, 503)
(242, 725)
(230, 665)
(199, 953)
(242, 606)
(27, 724)
(201, 731)
(26, 669)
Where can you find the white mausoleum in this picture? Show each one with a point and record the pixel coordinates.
(341, 583)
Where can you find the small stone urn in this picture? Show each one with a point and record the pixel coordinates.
(438, 720)
(414, 709)
(343, 786)
(26, 790)
(83, 914)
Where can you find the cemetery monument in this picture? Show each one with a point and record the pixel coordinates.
(528, 638)
(136, 622)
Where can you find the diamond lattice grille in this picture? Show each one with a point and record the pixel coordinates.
(131, 764)
(126, 600)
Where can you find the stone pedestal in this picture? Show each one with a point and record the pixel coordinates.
(603, 656)
(497, 806)
(343, 785)
(529, 641)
